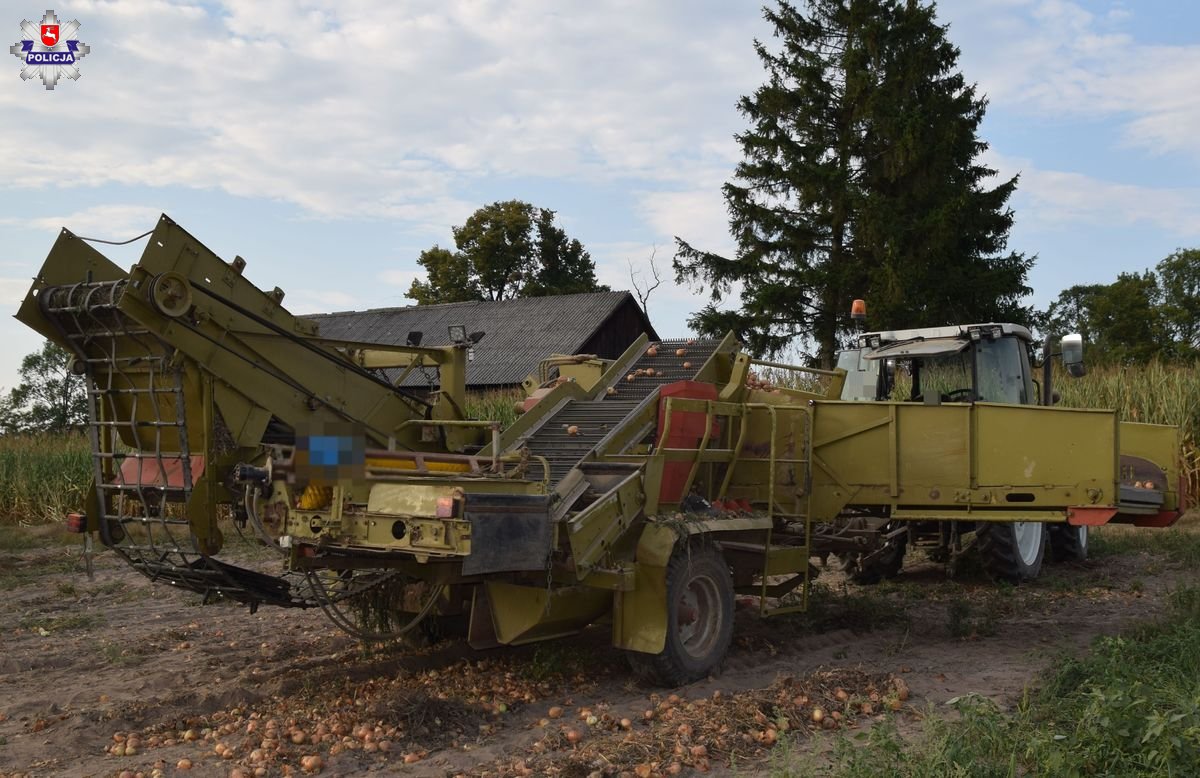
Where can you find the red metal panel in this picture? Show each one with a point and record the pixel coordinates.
(687, 430)
(1090, 515)
(146, 472)
(1160, 519)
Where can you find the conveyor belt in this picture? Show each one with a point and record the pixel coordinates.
(667, 365)
(595, 419)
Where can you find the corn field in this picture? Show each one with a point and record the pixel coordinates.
(1154, 393)
(498, 405)
(42, 477)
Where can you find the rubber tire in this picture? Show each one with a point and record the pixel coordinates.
(998, 547)
(675, 666)
(887, 566)
(1068, 543)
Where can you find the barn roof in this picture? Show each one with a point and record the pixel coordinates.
(520, 332)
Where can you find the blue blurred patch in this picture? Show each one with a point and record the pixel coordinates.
(330, 452)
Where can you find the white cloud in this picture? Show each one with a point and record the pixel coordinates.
(302, 301)
(1057, 198)
(109, 222)
(1053, 59)
(626, 264)
(349, 108)
(401, 278)
(12, 292)
(698, 216)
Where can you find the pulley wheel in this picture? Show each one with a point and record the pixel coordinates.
(171, 294)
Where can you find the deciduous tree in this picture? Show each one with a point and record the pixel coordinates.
(1139, 316)
(49, 398)
(1179, 279)
(505, 250)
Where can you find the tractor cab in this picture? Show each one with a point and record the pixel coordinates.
(960, 363)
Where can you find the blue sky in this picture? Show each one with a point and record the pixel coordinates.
(329, 141)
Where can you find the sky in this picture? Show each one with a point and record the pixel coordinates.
(330, 141)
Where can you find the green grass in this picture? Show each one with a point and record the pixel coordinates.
(67, 623)
(14, 537)
(1129, 707)
(970, 618)
(1179, 545)
(858, 609)
(118, 655)
(13, 576)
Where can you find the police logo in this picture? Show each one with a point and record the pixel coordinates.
(49, 51)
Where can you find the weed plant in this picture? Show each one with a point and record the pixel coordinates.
(1129, 707)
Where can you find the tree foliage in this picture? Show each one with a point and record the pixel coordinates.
(49, 397)
(1179, 280)
(505, 250)
(859, 177)
(1139, 316)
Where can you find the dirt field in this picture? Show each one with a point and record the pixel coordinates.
(118, 663)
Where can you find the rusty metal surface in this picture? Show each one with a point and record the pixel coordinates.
(509, 532)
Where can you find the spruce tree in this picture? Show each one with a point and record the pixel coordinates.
(933, 235)
(859, 178)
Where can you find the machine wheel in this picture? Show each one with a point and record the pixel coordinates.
(699, 619)
(1013, 551)
(886, 564)
(1068, 543)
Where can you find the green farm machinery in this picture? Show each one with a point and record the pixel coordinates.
(644, 492)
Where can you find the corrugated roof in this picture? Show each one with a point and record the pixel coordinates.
(520, 332)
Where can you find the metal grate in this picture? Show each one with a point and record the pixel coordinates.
(136, 394)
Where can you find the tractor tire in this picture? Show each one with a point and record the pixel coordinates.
(699, 620)
(886, 565)
(1068, 543)
(1012, 551)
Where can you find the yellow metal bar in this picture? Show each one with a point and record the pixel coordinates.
(893, 451)
(708, 424)
(666, 430)
(771, 476)
(411, 464)
(856, 430)
(798, 368)
(737, 449)
(978, 513)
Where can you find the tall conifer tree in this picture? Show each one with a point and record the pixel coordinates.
(859, 177)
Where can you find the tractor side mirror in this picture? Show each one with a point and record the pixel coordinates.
(1072, 355)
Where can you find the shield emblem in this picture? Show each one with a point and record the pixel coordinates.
(50, 34)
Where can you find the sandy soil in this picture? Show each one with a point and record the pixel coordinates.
(89, 665)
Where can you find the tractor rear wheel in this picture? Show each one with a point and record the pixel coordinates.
(1068, 543)
(1013, 551)
(699, 619)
